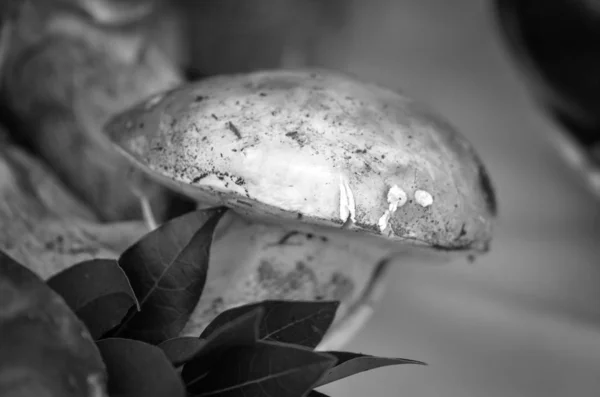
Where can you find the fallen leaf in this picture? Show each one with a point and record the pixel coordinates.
(181, 349)
(45, 350)
(167, 270)
(98, 291)
(138, 369)
(349, 364)
(296, 322)
(265, 369)
(315, 393)
(242, 331)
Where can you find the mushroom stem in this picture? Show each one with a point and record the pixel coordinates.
(359, 312)
(293, 262)
(347, 329)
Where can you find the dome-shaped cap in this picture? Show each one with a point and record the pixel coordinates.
(315, 146)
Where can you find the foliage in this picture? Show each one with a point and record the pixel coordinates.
(136, 306)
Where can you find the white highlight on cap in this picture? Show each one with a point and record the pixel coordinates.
(423, 198)
(347, 205)
(396, 198)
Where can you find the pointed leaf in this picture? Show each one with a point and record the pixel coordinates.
(44, 348)
(98, 291)
(349, 364)
(296, 322)
(182, 349)
(265, 369)
(137, 369)
(167, 270)
(242, 331)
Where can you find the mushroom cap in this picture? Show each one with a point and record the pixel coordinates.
(314, 146)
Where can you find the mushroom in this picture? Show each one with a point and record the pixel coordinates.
(329, 181)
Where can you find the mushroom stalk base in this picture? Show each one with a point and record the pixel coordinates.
(346, 328)
(253, 261)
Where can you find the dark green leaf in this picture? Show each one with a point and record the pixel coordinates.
(167, 269)
(242, 331)
(98, 291)
(137, 369)
(182, 349)
(349, 364)
(296, 322)
(265, 369)
(44, 348)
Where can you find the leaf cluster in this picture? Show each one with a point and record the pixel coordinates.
(136, 306)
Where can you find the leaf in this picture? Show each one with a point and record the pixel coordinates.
(296, 322)
(182, 349)
(265, 369)
(315, 393)
(98, 291)
(242, 331)
(349, 364)
(167, 270)
(44, 348)
(137, 369)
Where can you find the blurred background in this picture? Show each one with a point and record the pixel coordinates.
(525, 319)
